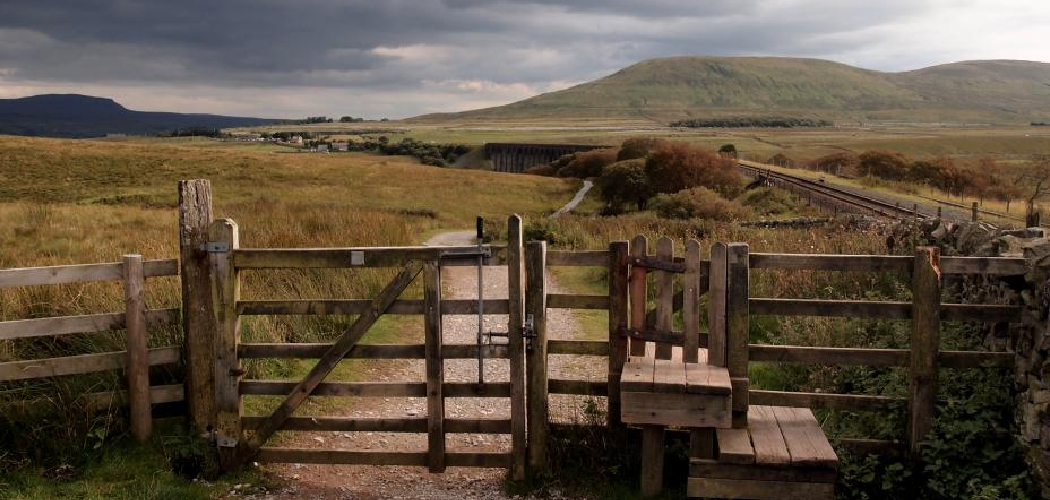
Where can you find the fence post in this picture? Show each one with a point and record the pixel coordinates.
(195, 216)
(138, 354)
(974, 212)
(738, 327)
(536, 361)
(619, 276)
(925, 344)
(716, 306)
(516, 345)
(226, 289)
(435, 366)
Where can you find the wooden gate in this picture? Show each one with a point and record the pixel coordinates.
(242, 438)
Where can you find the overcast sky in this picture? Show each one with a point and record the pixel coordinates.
(399, 58)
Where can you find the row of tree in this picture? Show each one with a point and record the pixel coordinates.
(438, 155)
(744, 121)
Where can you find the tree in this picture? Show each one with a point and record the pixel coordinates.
(780, 160)
(675, 166)
(883, 164)
(625, 182)
(728, 151)
(1037, 179)
(637, 147)
(589, 163)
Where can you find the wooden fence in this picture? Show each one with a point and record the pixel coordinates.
(135, 320)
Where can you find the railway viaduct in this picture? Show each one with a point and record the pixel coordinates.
(517, 157)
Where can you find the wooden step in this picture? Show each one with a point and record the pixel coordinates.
(647, 374)
(671, 392)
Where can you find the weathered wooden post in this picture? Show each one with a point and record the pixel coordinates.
(223, 239)
(138, 350)
(619, 277)
(716, 306)
(738, 327)
(195, 216)
(925, 344)
(516, 345)
(639, 293)
(435, 366)
(664, 295)
(536, 361)
(974, 211)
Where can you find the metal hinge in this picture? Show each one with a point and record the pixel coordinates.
(217, 247)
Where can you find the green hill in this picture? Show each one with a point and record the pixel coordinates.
(675, 88)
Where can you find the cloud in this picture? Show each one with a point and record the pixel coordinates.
(403, 57)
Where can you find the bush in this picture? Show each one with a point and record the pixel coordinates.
(675, 166)
(625, 182)
(698, 203)
(769, 201)
(638, 147)
(835, 163)
(542, 170)
(589, 163)
(883, 164)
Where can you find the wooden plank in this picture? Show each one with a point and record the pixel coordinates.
(435, 366)
(706, 379)
(198, 319)
(71, 325)
(358, 306)
(638, 293)
(154, 268)
(536, 358)
(102, 401)
(669, 377)
(793, 473)
(716, 307)
(367, 351)
(141, 410)
(81, 273)
(691, 301)
(830, 308)
(677, 410)
(619, 310)
(837, 356)
(738, 326)
(327, 363)
(78, 365)
(759, 490)
(768, 441)
(638, 375)
(652, 460)
(259, 387)
(225, 292)
(734, 446)
(578, 387)
(575, 301)
(857, 402)
(578, 258)
(516, 345)
(300, 258)
(579, 347)
(804, 437)
(925, 343)
(1002, 266)
(819, 262)
(664, 294)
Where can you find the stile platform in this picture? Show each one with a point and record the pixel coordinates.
(675, 393)
(782, 454)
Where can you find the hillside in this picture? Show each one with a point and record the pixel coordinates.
(74, 115)
(674, 88)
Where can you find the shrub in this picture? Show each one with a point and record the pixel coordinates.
(625, 182)
(835, 163)
(542, 170)
(698, 203)
(883, 164)
(638, 147)
(769, 201)
(589, 163)
(675, 166)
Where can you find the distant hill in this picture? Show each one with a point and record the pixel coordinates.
(676, 88)
(75, 115)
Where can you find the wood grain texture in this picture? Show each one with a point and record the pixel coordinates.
(716, 306)
(619, 312)
(141, 410)
(664, 295)
(434, 365)
(691, 301)
(198, 315)
(639, 293)
(516, 346)
(925, 344)
(536, 359)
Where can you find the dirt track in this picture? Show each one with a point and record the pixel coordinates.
(302, 481)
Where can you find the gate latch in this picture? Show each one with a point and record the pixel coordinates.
(528, 331)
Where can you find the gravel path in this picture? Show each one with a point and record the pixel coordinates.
(301, 481)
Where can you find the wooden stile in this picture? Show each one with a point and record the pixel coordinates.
(619, 281)
(536, 366)
(198, 314)
(664, 294)
(925, 344)
(516, 345)
(638, 293)
(435, 366)
(138, 352)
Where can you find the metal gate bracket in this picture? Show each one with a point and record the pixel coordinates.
(217, 247)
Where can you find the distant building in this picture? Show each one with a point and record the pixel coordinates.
(341, 146)
(321, 148)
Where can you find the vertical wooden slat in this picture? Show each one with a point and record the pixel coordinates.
(691, 302)
(639, 247)
(516, 345)
(198, 317)
(925, 343)
(619, 281)
(652, 460)
(664, 295)
(225, 292)
(435, 366)
(138, 356)
(737, 327)
(716, 307)
(536, 365)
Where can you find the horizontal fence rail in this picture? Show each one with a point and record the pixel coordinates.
(81, 273)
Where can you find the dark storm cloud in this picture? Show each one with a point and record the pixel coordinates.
(458, 53)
